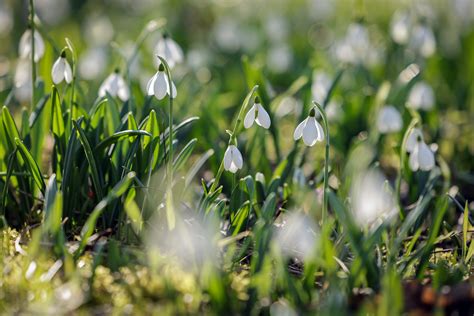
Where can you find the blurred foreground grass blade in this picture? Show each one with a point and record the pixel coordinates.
(91, 159)
(31, 165)
(88, 229)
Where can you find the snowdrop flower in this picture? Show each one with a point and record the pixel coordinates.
(158, 85)
(421, 97)
(61, 70)
(169, 50)
(400, 27)
(320, 87)
(25, 45)
(389, 120)
(310, 130)
(115, 85)
(257, 114)
(22, 80)
(372, 200)
(421, 157)
(233, 160)
(423, 41)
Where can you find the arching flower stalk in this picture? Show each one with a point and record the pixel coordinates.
(311, 132)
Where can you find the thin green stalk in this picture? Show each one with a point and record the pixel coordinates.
(401, 171)
(233, 134)
(73, 83)
(170, 122)
(326, 162)
(33, 64)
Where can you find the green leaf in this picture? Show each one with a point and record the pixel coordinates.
(184, 154)
(120, 136)
(31, 165)
(88, 229)
(91, 160)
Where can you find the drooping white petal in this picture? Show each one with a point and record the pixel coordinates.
(39, 46)
(24, 47)
(262, 119)
(310, 132)
(67, 72)
(160, 86)
(122, 89)
(57, 72)
(175, 50)
(232, 159)
(150, 86)
(227, 158)
(249, 117)
(299, 130)
(320, 132)
(426, 159)
(237, 157)
(389, 120)
(174, 92)
(412, 139)
(421, 97)
(413, 160)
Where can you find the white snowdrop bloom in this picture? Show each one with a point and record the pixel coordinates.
(389, 120)
(169, 50)
(423, 41)
(297, 236)
(412, 139)
(233, 160)
(158, 85)
(61, 70)
(372, 200)
(257, 114)
(310, 130)
(421, 156)
(115, 85)
(400, 27)
(421, 97)
(320, 86)
(92, 63)
(25, 48)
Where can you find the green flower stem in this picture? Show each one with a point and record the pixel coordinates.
(33, 64)
(73, 83)
(233, 135)
(403, 156)
(326, 162)
(170, 122)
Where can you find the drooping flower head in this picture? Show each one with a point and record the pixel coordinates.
(25, 48)
(310, 130)
(257, 114)
(421, 97)
(421, 156)
(61, 70)
(169, 50)
(389, 120)
(116, 86)
(233, 160)
(158, 85)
